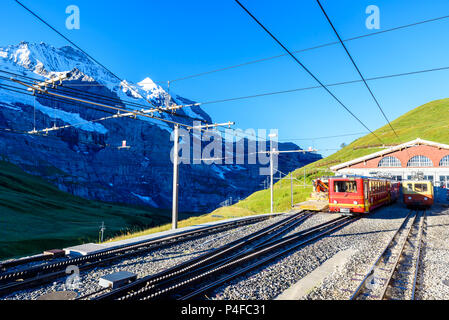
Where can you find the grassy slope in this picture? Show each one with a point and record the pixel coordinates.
(429, 122)
(35, 215)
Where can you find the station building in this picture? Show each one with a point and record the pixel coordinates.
(422, 158)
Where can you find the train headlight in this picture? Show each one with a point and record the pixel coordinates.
(355, 202)
(410, 198)
(425, 198)
(335, 201)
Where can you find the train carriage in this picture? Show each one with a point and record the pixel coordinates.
(356, 194)
(417, 193)
(395, 190)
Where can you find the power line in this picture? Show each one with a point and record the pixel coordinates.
(256, 95)
(77, 90)
(356, 67)
(131, 113)
(235, 133)
(20, 132)
(307, 70)
(100, 97)
(260, 95)
(134, 112)
(328, 85)
(70, 102)
(12, 88)
(115, 115)
(305, 49)
(326, 137)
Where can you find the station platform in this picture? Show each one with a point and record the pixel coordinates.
(313, 205)
(91, 248)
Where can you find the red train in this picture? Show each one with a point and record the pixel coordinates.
(359, 194)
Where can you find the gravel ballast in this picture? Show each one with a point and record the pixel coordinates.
(433, 275)
(330, 268)
(150, 263)
(361, 237)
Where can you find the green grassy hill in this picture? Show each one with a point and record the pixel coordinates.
(35, 215)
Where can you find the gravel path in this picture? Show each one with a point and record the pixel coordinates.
(150, 263)
(360, 236)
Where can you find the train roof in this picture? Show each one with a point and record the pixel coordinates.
(346, 176)
(420, 181)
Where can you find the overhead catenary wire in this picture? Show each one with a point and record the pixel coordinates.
(99, 97)
(16, 89)
(324, 137)
(327, 85)
(369, 35)
(96, 61)
(204, 73)
(356, 67)
(402, 74)
(24, 91)
(130, 113)
(47, 136)
(327, 44)
(307, 70)
(235, 133)
(83, 92)
(135, 112)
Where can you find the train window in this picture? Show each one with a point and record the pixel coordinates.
(420, 187)
(366, 187)
(409, 187)
(345, 186)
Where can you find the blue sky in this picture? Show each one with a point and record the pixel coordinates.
(170, 39)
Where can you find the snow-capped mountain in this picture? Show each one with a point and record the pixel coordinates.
(43, 61)
(84, 157)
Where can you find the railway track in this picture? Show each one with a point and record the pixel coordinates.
(394, 274)
(36, 275)
(196, 277)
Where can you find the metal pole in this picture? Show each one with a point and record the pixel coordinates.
(291, 186)
(271, 175)
(102, 231)
(175, 178)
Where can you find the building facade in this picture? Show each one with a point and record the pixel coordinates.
(422, 158)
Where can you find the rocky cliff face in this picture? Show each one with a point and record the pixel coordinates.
(84, 158)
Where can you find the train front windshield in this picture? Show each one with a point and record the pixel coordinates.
(421, 187)
(345, 186)
(417, 187)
